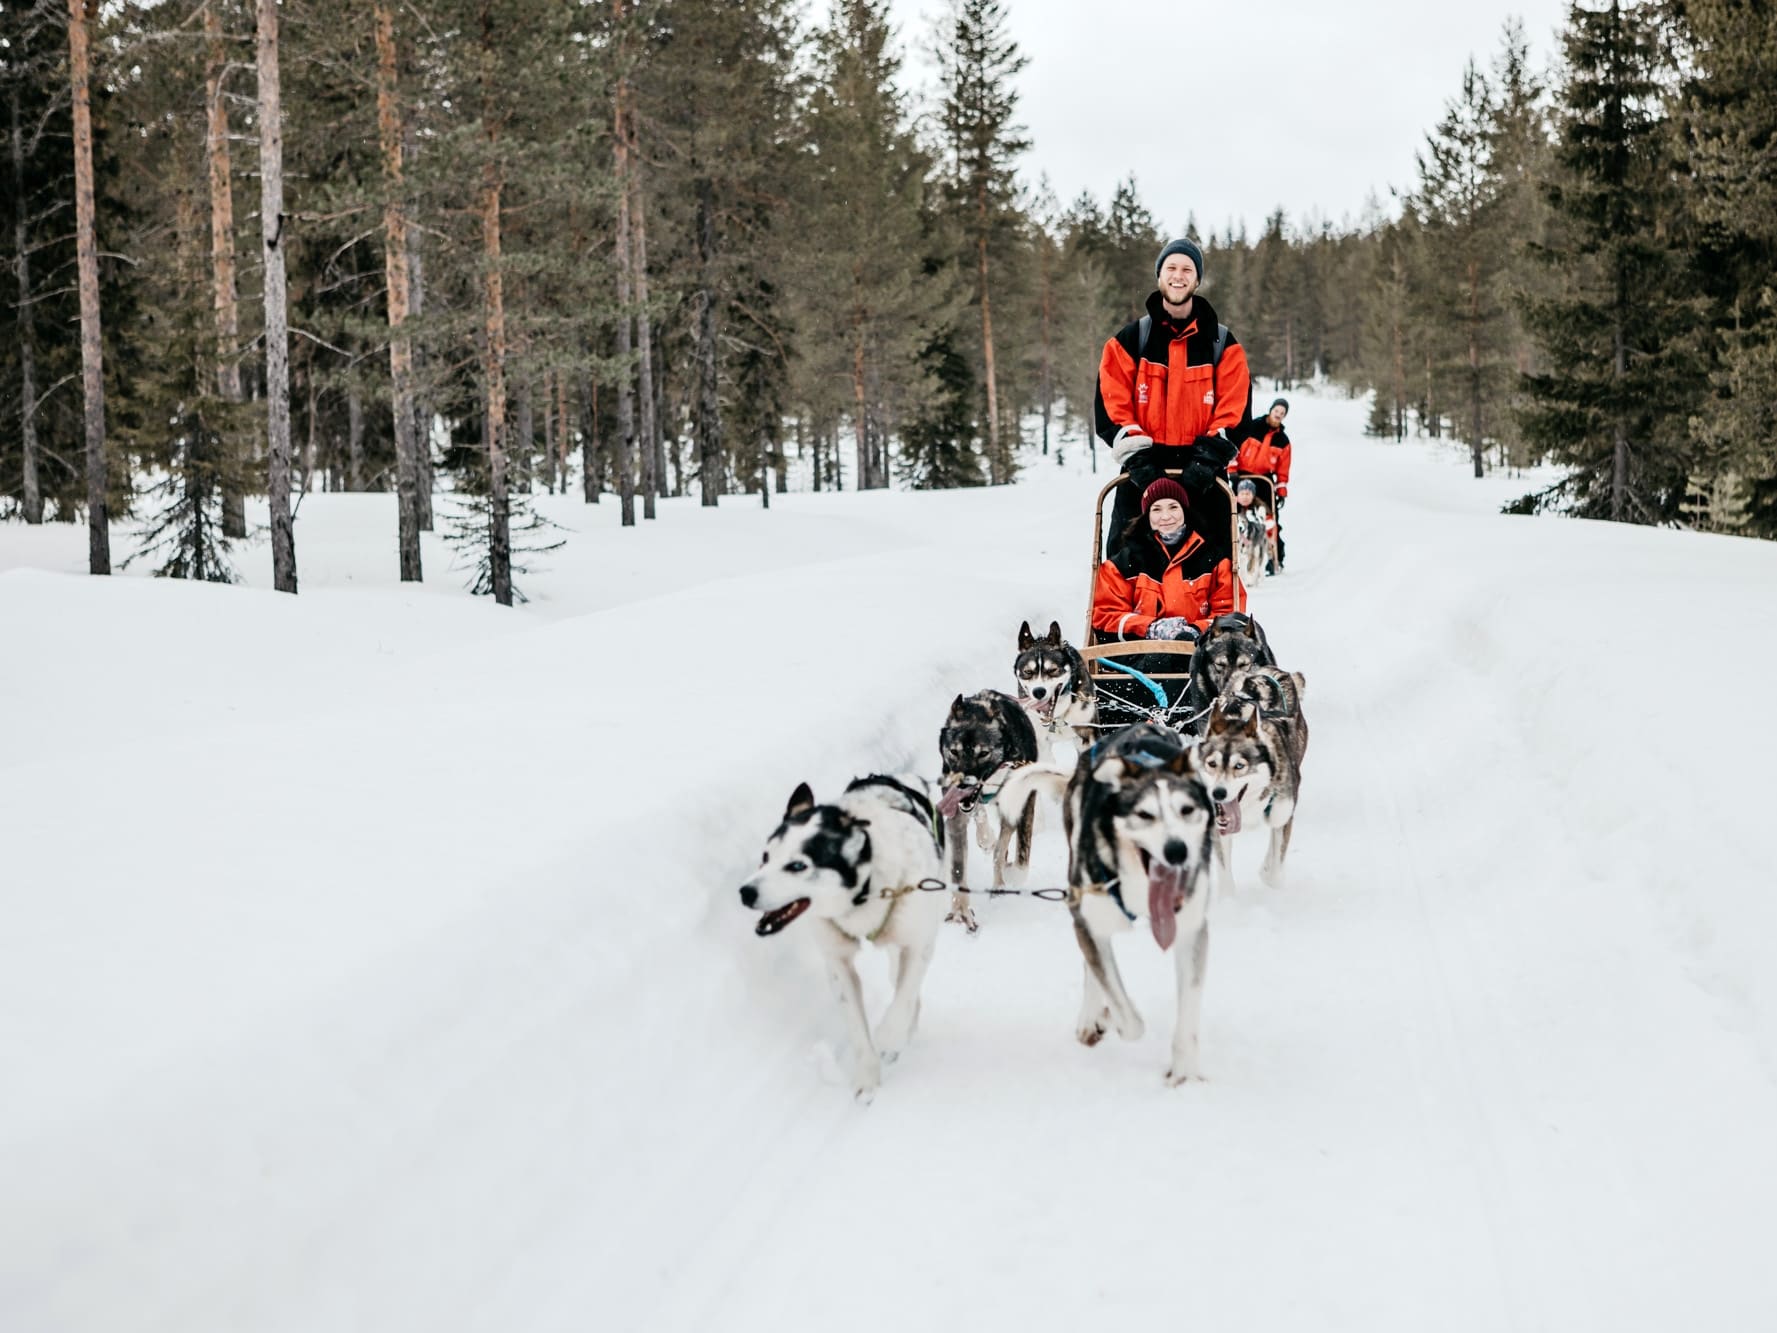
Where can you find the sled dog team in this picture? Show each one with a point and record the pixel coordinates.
(1144, 810)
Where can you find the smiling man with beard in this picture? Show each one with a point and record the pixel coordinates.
(1171, 386)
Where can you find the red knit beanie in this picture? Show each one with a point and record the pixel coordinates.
(1165, 489)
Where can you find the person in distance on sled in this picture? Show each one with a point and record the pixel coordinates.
(1172, 386)
(1265, 452)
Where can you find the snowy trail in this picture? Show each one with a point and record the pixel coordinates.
(1499, 1055)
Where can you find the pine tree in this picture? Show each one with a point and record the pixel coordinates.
(82, 17)
(859, 292)
(977, 62)
(1621, 374)
(1468, 250)
(1729, 120)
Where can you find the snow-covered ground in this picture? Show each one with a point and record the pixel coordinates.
(371, 959)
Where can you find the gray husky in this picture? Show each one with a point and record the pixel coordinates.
(1252, 760)
(1055, 688)
(1232, 644)
(853, 867)
(986, 738)
(1139, 823)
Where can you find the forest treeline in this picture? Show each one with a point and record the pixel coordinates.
(466, 250)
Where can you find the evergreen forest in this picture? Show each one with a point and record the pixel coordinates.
(467, 251)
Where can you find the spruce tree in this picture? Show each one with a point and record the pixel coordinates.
(1468, 250)
(1729, 119)
(1617, 329)
(977, 62)
(860, 295)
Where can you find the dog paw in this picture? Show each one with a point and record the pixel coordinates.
(964, 917)
(1090, 1034)
(1132, 1029)
(865, 1082)
(1175, 1076)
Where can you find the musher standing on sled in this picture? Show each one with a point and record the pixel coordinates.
(1265, 451)
(1171, 386)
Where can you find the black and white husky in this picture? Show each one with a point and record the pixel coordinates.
(986, 738)
(854, 868)
(1252, 758)
(1140, 824)
(1055, 688)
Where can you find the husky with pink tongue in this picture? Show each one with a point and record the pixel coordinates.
(1251, 758)
(1140, 825)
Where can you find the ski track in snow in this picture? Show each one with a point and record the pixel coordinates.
(372, 960)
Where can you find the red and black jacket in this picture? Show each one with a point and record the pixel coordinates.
(1148, 581)
(1172, 389)
(1266, 451)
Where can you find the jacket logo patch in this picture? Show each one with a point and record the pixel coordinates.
(1141, 393)
(1209, 398)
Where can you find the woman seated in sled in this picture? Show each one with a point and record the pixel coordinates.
(1165, 580)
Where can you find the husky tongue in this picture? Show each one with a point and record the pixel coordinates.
(1166, 890)
(950, 802)
(1227, 816)
(772, 922)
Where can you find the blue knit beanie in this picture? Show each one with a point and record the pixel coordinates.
(1189, 249)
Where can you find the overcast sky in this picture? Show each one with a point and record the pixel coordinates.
(1231, 109)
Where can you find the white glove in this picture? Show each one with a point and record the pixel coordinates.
(1129, 442)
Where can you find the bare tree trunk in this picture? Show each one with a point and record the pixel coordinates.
(82, 13)
(422, 398)
(277, 320)
(626, 472)
(354, 441)
(710, 468)
(650, 433)
(494, 298)
(521, 452)
(562, 433)
(549, 430)
(1400, 364)
(33, 488)
(987, 336)
(858, 400)
(1619, 454)
(398, 278)
(591, 441)
(225, 289)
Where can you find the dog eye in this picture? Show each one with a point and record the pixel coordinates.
(764, 857)
(796, 867)
(1146, 816)
(1240, 763)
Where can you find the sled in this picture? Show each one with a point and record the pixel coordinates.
(1266, 485)
(1127, 695)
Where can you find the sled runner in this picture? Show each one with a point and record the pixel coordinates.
(1127, 693)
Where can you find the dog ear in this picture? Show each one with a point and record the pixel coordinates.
(1184, 763)
(1301, 681)
(1055, 632)
(801, 801)
(1249, 719)
(956, 704)
(1025, 638)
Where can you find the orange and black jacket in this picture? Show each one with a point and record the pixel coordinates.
(1146, 581)
(1266, 452)
(1172, 390)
